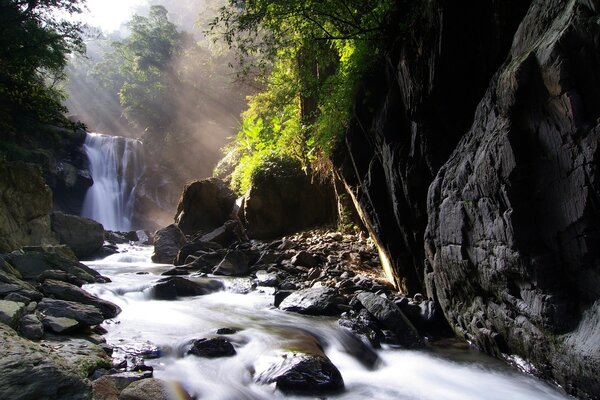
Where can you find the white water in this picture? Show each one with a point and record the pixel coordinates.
(116, 164)
(437, 374)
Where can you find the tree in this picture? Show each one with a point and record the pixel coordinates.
(34, 45)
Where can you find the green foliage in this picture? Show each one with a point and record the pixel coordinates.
(309, 57)
(262, 165)
(34, 45)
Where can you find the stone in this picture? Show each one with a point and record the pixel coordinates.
(225, 234)
(154, 389)
(306, 374)
(212, 348)
(31, 327)
(312, 301)
(193, 247)
(391, 317)
(268, 279)
(304, 259)
(66, 291)
(29, 371)
(204, 205)
(167, 242)
(59, 324)
(235, 263)
(286, 200)
(59, 275)
(363, 324)
(104, 388)
(172, 287)
(25, 206)
(122, 380)
(83, 235)
(11, 312)
(86, 315)
(32, 264)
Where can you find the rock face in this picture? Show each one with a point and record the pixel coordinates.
(513, 217)
(204, 206)
(409, 115)
(83, 235)
(278, 205)
(167, 242)
(28, 371)
(25, 205)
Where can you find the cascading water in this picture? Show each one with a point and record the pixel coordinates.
(116, 164)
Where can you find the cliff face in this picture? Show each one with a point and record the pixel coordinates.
(477, 175)
(514, 224)
(411, 112)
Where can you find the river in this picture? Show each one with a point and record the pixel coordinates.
(163, 329)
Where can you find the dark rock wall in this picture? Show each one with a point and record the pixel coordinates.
(514, 221)
(409, 116)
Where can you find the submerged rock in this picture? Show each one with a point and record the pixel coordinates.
(306, 374)
(312, 301)
(167, 242)
(212, 348)
(172, 287)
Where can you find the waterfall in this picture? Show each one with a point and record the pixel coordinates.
(116, 164)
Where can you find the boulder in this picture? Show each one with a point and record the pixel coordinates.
(204, 206)
(30, 371)
(167, 242)
(306, 374)
(11, 312)
(212, 348)
(121, 380)
(31, 327)
(312, 301)
(33, 264)
(59, 324)
(304, 259)
(173, 287)
(285, 200)
(86, 315)
(392, 318)
(83, 235)
(154, 389)
(235, 263)
(268, 279)
(66, 291)
(191, 248)
(225, 234)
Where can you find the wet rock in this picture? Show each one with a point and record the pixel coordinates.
(204, 205)
(173, 287)
(206, 262)
(66, 291)
(312, 301)
(59, 324)
(31, 327)
(30, 371)
(105, 389)
(358, 349)
(227, 331)
(121, 380)
(235, 263)
(392, 318)
(177, 271)
(225, 234)
(11, 312)
(59, 275)
(33, 263)
(280, 295)
(86, 315)
(83, 235)
(18, 297)
(212, 348)
(363, 324)
(268, 279)
(304, 259)
(305, 374)
(192, 248)
(154, 389)
(167, 242)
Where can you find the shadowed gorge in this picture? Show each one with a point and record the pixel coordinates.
(336, 199)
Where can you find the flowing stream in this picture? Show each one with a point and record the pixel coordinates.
(116, 164)
(162, 329)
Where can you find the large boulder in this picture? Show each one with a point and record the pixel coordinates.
(85, 315)
(29, 371)
(167, 242)
(83, 235)
(66, 291)
(512, 237)
(172, 287)
(204, 206)
(283, 199)
(25, 206)
(312, 301)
